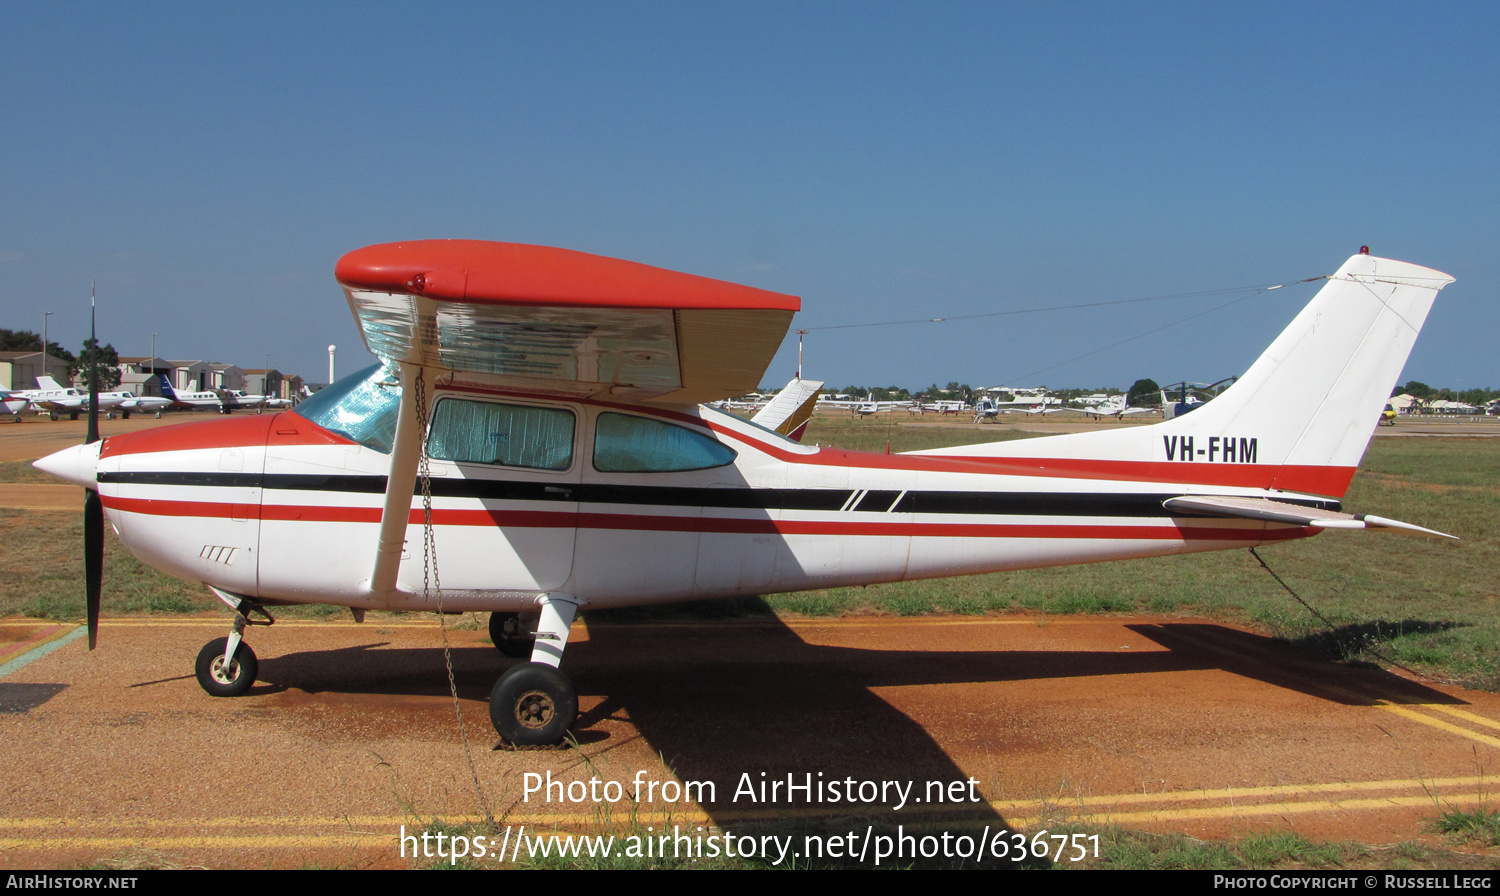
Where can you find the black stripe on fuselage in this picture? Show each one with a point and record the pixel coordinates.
(825, 499)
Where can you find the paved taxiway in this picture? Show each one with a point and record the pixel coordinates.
(1167, 724)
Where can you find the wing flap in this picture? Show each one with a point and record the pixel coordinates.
(1267, 510)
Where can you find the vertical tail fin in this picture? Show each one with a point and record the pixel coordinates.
(1301, 416)
(1318, 390)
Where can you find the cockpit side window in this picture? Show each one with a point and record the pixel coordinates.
(361, 407)
(629, 444)
(506, 435)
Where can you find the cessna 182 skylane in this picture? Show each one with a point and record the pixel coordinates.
(555, 398)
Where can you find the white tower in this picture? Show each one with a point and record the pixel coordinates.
(331, 350)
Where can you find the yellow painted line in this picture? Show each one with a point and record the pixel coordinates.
(591, 822)
(683, 816)
(1459, 713)
(1236, 793)
(917, 621)
(215, 842)
(1282, 808)
(1408, 713)
(796, 624)
(1470, 790)
(280, 624)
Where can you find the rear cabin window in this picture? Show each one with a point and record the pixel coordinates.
(626, 444)
(505, 435)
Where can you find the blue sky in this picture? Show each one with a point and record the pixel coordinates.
(208, 163)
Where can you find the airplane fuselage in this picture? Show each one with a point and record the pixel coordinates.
(589, 499)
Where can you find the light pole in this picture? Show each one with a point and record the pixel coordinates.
(45, 355)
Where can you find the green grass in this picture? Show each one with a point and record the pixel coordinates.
(1479, 826)
(23, 471)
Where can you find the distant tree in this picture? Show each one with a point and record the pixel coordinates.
(1145, 393)
(108, 364)
(27, 341)
(1417, 389)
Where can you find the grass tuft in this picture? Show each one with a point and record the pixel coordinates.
(1479, 825)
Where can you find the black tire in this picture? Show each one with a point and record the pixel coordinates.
(533, 705)
(510, 645)
(210, 669)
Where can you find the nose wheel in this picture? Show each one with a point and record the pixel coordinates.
(229, 678)
(227, 667)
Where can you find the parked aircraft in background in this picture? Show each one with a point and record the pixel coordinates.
(1115, 406)
(1180, 398)
(132, 403)
(867, 408)
(52, 397)
(551, 402)
(225, 400)
(13, 403)
(940, 406)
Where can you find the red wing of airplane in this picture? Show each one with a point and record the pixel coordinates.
(554, 321)
(553, 397)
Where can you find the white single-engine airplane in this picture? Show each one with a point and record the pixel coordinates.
(549, 402)
(1117, 406)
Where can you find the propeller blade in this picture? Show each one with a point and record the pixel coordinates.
(93, 434)
(93, 508)
(93, 558)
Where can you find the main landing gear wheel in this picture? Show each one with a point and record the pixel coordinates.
(533, 705)
(220, 681)
(510, 637)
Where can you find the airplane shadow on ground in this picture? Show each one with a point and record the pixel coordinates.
(751, 702)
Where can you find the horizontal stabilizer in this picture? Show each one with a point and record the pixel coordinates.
(792, 407)
(1270, 511)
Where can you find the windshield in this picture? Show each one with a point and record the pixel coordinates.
(361, 407)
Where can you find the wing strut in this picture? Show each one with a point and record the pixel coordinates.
(401, 482)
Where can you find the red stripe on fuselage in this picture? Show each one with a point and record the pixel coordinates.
(1332, 481)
